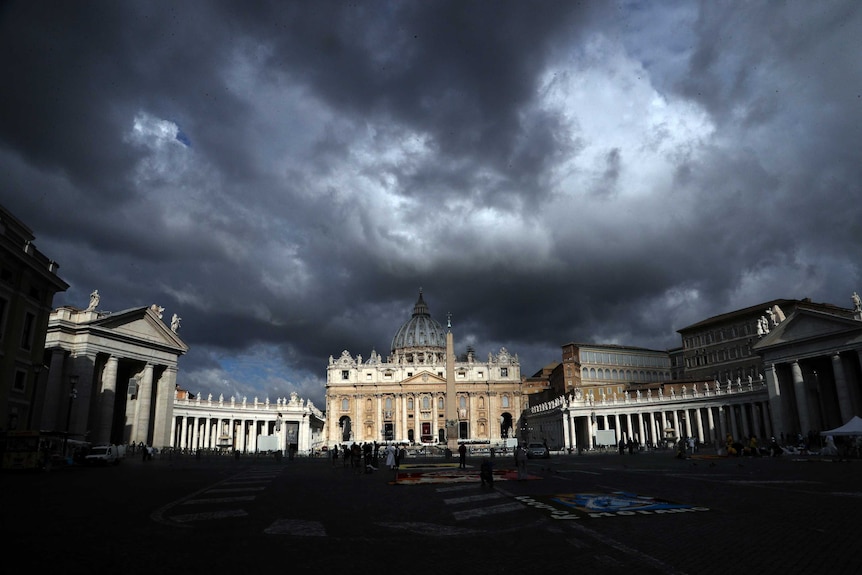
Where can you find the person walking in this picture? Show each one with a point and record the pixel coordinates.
(390, 457)
(462, 456)
(521, 462)
(334, 454)
(486, 473)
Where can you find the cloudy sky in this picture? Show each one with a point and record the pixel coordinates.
(285, 176)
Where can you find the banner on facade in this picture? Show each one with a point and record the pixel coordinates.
(292, 433)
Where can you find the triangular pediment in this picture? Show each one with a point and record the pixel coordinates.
(140, 325)
(809, 325)
(424, 377)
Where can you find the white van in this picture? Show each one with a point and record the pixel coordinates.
(105, 454)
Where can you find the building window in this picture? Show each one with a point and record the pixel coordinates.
(20, 377)
(367, 377)
(462, 402)
(426, 402)
(345, 374)
(409, 374)
(440, 404)
(345, 404)
(388, 404)
(505, 401)
(504, 372)
(410, 403)
(27, 333)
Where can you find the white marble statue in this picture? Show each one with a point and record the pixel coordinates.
(94, 300)
(175, 323)
(857, 302)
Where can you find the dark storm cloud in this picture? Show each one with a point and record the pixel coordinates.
(286, 175)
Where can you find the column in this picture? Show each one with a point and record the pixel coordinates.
(641, 436)
(141, 428)
(755, 422)
(184, 432)
(195, 434)
(56, 392)
(801, 398)
(698, 420)
(618, 430)
(722, 423)
(711, 425)
(106, 399)
(734, 428)
(774, 390)
(746, 428)
(676, 426)
(378, 419)
(166, 392)
(844, 402)
(83, 366)
(567, 439)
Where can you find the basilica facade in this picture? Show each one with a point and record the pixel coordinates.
(422, 393)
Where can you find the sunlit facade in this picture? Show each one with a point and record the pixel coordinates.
(422, 393)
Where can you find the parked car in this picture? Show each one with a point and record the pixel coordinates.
(105, 454)
(537, 450)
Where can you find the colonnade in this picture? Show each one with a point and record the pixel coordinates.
(228, 426)
(707, 414)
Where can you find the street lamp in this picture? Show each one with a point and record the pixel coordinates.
(73, 394)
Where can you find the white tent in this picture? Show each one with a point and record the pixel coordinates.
(852, 427)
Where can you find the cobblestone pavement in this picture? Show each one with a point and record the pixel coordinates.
(642, 513)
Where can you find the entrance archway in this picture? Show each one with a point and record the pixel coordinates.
(344, 425)
(505, 425)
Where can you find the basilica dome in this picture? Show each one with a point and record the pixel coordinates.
(421, 332)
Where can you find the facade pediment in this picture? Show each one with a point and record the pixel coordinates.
(141, 325)
(424, 377)
(808, 327)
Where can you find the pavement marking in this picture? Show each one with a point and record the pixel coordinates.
(625, 549)
(459, 487)
(471, 498)
(207, 516)
(578, 471)
(298, 527)
(847, 493)
(218, 500)
(236, 489)
(431, 529)
(483, 511)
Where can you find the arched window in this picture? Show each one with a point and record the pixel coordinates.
(410, 403)
(345, 404)
(505, 401)
(388, 404)
(462, 402)
(481, 403)
(368, 404)
(426, 402)
(440, 405)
